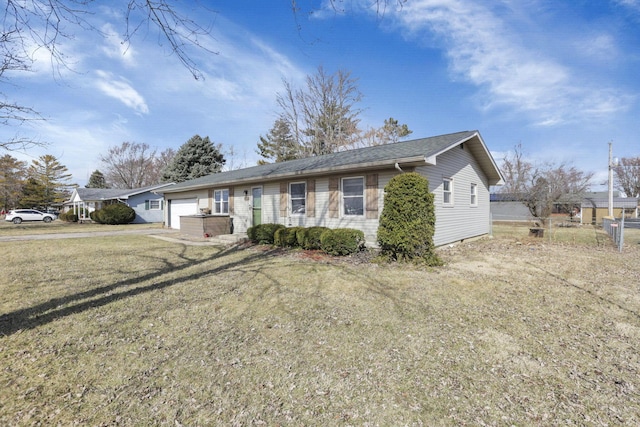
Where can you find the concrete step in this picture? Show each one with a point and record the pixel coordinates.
(228, 239)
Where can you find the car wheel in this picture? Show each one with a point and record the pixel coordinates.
(17, 220)
(47, 219)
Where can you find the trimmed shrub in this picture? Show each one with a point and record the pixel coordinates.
(251, 234)
(311, 237)
(407, 221)
(301, 235)
(68, 216)
(118, 213)
(342, 241)
(286, 237)
(264, 233)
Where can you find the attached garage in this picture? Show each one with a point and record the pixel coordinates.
(181, 207)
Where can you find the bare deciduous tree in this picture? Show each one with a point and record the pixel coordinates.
(627, 176)
(541, 186)
(14, 58)
(323, 117)
(389, 133)
(160, 164)
(130, 165)
(45, 24)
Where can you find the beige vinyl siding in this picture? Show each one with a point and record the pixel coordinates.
(271, 203)
(460, 220)
(321, 204)
(311, 198)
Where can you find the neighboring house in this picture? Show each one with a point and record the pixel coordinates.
(506, 207)
(345, 189)
(146, 202)
(595, 207)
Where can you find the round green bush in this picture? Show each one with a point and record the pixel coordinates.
(301, 235)
(279, 238)
(251, 234)
(342, 241)
(407, 221)
(286, 237)
(264, 233)
(68, 217)
(311, 238)
(117, 213)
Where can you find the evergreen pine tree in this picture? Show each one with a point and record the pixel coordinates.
(33, 194)
(195, 158)
(53, 176)
(279, 145)
(97, 180)
(12, 175)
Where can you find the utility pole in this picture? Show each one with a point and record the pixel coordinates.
(612, 163)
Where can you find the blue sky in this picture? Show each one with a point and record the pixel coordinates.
(558, 77)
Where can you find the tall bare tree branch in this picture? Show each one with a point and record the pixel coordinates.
(627, 176)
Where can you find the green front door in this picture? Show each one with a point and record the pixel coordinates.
(256, 193)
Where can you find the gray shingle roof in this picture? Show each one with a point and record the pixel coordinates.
(603, 202)
(88, 194)
(100, 193)
(359, 158)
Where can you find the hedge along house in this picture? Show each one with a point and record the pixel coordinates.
(146, 202)
(345, 189)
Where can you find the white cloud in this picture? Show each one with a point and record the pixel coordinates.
(121, 90)
(114, 47)
(77, 145)
(511, 73)
(632, 4)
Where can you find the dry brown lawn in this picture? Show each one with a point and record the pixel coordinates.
(131, 330)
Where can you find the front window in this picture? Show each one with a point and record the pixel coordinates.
(154, 204)
(298, 193)
(447, 191)
(474, 195)
(353, 196)
(221, 202)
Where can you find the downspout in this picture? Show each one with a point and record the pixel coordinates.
(397, 166)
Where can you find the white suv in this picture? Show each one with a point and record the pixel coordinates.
(20, 215)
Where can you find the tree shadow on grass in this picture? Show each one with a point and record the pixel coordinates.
(57, 308)
(588, 291)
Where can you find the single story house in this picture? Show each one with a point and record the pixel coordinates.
(507, 207)
(344, 189)
(595, 207)
(146, 202)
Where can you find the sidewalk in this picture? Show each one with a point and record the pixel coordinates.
(165, 234)
(84, 234)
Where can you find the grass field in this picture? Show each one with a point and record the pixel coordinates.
(130, 330)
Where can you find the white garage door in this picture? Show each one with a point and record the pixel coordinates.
(181, 207)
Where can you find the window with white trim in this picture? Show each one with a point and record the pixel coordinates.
(353, 196)
(474, 195)
(221, 202)
(154, 205)
(298, 196)
(447, 191)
